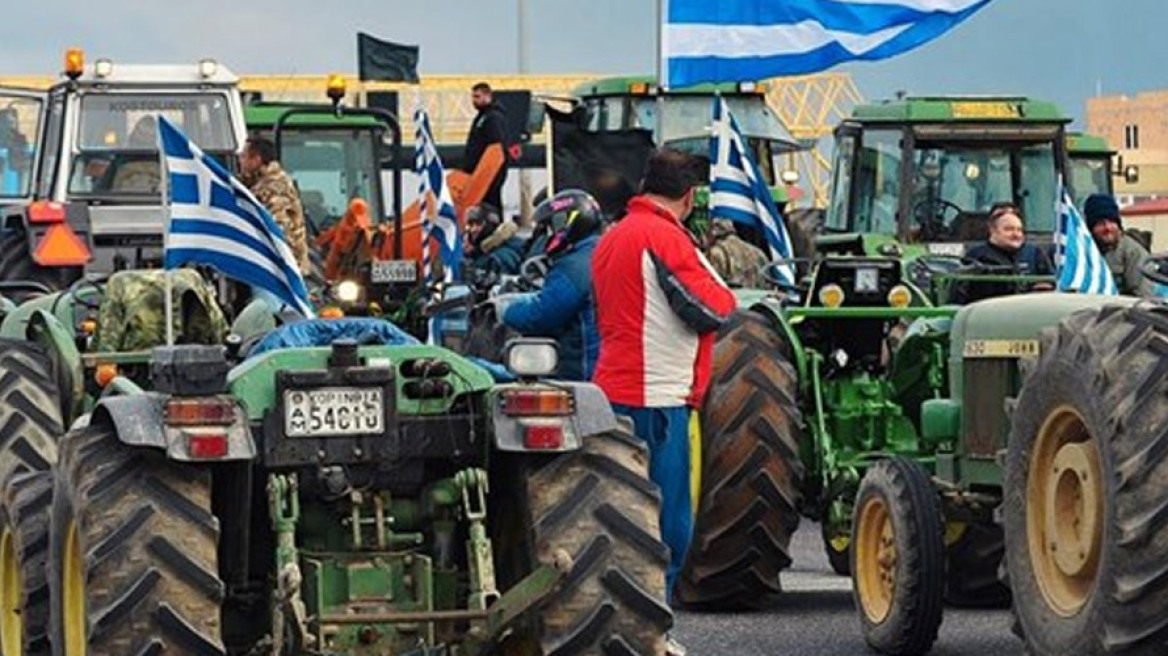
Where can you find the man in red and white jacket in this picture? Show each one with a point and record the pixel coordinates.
(659, 304)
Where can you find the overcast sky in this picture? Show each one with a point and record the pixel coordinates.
(1058, 49)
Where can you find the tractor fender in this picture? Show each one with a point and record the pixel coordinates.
(593, 415)
(772, 311)
(138, 420)
(47, 330)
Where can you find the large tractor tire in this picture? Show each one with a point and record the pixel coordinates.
(972, 578)
(30, 409)
(132, 565)
(599, 507)
(1086, 487)
(898, 558)
(751, 471)
(24, 550)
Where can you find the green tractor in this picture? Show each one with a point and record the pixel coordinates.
(302, 494)
(601, 146)
(814, 386)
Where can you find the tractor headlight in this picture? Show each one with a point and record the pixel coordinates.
(831, 296)
(532, 358)
(899, 296)
(348, 291)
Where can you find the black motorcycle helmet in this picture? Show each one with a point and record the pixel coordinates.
(567, 218)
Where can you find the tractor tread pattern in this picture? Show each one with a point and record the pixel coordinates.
(751, 470)
(149, 542)
(593, 505)
(1111, 363)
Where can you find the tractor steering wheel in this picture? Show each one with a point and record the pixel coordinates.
(929, 213)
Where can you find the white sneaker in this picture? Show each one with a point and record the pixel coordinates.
(673, 647)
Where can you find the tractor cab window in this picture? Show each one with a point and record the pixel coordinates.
(1090, 175)
(20, 117)
(117, 138)
(841, 183)
(954, 187)
(331, 167)
(878, 186)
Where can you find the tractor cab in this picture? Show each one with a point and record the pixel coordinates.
(80, 180)
(1091, 165)
(927, 171)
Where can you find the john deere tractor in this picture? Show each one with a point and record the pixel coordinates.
(329, 487)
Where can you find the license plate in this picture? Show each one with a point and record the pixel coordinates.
(333, 411)
(386, 271)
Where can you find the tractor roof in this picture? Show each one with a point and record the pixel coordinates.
(931, 109)
(647, 85)
(1087, 144)
(264, 115)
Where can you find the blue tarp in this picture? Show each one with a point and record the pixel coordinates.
(323, 332)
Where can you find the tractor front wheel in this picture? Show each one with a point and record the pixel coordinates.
(24, 548)
(898, 558)
(133, 552)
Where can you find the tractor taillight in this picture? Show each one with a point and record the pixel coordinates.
(543, 436)
(45, 211)
(537, 402)
(212, 411)
(206, 446)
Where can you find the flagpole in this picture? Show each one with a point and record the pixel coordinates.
(662, 82)
(164, 192)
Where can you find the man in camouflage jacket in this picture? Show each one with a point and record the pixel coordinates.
(260, 171)
(739, 262)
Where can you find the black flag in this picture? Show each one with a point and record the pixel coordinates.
(385, 61)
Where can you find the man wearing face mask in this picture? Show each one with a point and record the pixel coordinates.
(659, 304)
(1125, 256)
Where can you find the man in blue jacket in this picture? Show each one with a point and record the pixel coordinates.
(492, 244)
(564, 308)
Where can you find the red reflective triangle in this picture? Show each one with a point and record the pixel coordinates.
(61, 247)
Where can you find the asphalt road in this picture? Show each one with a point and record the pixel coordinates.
(815, 616)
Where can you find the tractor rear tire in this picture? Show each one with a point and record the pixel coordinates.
(972, 579)
(16, 263)
(30, 409)
(751, 470)
(24, 550)
(1086, 485)
(133, 565)
(898, 558)
(599, 507)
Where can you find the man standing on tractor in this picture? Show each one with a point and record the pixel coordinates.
(564, 308)
(1125, 256)
(659, 304)
(259, 170)
(739, 262)
(489, 128)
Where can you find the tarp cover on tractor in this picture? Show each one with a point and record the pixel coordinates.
(323, 332)
(608, 165)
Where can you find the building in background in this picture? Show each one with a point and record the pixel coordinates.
(1137, 128)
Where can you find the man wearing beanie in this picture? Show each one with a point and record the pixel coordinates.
(1125, 256)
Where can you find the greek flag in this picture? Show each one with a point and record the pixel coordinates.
(739, 192)
(1081, 267)
(437, 208)
(216, 221)
(746, 40)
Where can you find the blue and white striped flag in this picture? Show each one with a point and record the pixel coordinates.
(216, 221)
(739, 192)
(437, 207)
(1081, 267)
(747, 40)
